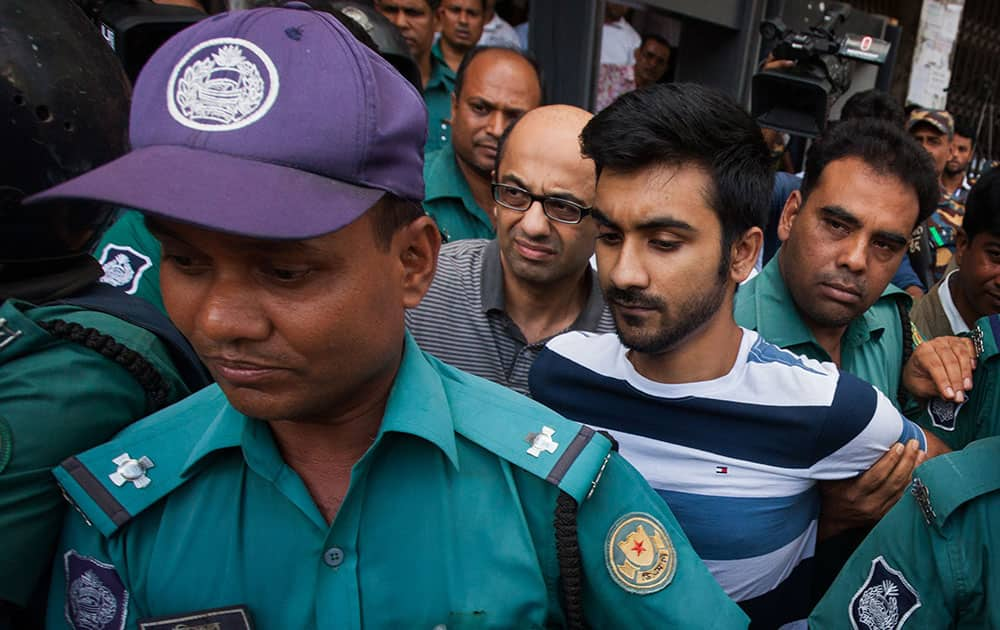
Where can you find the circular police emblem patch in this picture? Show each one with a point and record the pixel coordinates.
(639, 554)
(221, 85)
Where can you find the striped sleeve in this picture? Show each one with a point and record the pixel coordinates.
(861, 425)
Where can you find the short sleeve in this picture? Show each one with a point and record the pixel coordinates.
(639, 568)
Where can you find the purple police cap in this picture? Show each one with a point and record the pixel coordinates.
(270, 123)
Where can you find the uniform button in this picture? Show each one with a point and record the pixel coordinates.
(333, 557)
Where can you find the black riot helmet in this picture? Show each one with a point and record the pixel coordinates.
(64, 103)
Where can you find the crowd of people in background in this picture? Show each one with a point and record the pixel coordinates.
(440, 353)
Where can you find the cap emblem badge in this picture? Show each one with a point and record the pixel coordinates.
(221, 85)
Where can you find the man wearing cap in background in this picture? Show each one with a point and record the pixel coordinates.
(336, 476)
(494, 87)
(933, 129)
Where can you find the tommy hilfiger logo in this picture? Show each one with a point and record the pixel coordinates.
(722, 470)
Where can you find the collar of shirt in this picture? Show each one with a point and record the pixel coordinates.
(444, 180)
(441, 74)
(778, 319)
(958, 324)
(415, 406)
(491, 288)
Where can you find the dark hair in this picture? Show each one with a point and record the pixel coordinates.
(656, 37)
(689, 124)
(982, 207)
(886, 149)
(472, 54)
(964, 128)
(391, 214)
(873, 104)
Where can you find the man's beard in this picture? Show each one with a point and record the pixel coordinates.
(675, 326)
(951, 172)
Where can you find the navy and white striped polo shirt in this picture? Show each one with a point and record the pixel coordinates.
(736, 458)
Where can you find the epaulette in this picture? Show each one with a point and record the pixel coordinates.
(527, 434)
(943, 484)
(987, 336)
(110, 484)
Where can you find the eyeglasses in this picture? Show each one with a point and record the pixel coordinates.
(555, 208)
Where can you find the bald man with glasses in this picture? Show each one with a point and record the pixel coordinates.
(495, 303)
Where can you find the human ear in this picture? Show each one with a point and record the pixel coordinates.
(743, 253)
(417, 244)
(788, 214)
(961, 245)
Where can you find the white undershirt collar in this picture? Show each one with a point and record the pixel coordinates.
(958, 324)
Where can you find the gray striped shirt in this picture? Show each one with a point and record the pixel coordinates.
(462, 320)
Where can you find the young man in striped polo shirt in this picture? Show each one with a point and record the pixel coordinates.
(731, 430)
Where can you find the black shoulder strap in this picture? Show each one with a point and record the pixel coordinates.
(135, 310)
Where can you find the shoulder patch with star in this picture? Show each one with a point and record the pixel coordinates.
(639, 554)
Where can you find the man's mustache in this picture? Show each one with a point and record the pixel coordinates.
(632, 298)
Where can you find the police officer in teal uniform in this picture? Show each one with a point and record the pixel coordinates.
(336, 476)
(932, 561)
(70, 377)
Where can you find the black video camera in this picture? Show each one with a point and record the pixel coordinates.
(136, 28)
(797, 100)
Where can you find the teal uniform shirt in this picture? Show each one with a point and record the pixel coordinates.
(57, 398)
(448, 520)
(130, 256)
(872, 345)
(979, 417)
(437, 96)
(932, 561)
(449, 201)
